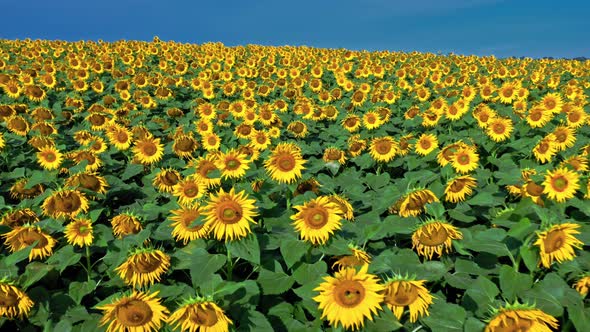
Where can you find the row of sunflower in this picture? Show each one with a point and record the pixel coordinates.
(262, 164)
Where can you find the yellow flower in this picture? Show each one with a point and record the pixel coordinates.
(228, 215)
(144, 267)
(426, 143)
(412, 203)
(79, 232)
(459, 187)
(561, 184)
(402, 292)
(383, 149)
(317, 219)
(557, 243)
(200, 315)
(137, 312)
(582, 285)
(285, 163)
(434, 237)
(21, 237)
(14, 303)
(518, 317)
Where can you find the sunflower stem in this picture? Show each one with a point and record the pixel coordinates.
(88, 264)
(308, 255)
(230, 266)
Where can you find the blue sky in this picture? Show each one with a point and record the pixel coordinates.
(481, 27)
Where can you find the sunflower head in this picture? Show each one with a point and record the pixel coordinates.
(65, 203)
(136, 312)
(228, 215)
(317, 219)
(125, 223)
(200, 314)
(413, 202)
(144, 267)
(356, 258)
(285, 163)
(404, 291)
(14, 303)
(434, 237)
(21, 237)
(557, 243)
(79, 232)
(520, 317)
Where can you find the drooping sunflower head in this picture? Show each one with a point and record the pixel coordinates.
(19, 191)
(344, 205)
(228, 215)
(413, 202)
(89, 181)
(557, 243)
(434, 237)
(144, 267)
(459, 188)
(79, 232)
(333, 154)
(582, 285)
(317, 219)
(200, 314)
(285, 163)
(545, 149)
(21, 237)
(350, 297)
(65, 203)
(19, 217)
(166, 179)
(520, 317)
(125, 223)
(404, 291)
(136, 312)
(357, 258)
(184, 145)
(14, 303)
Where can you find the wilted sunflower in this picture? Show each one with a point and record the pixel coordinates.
(499, 128)
(465, 159)
(21, 237)
(49, 157)
(317, 219)
(403, 291)
(557, 243)
(349, 297)
(520, 317)
(18, 190)
(383, 149)
(166, 179)
(148, 150)
(459, 187)
(434, 237)
(426, 143)
(561, 184)
(228, 215)
(357, 258)
(189, 224)
(232, 164)
(332, 154)
(79, 232)
(65, 203)
(125, 223)
(200, 315)
(205, 168)
(14, 303)
(19, 217)
(89, 181)
(413, 202)
(285, 163)
(189, 189)
(582, 285)
(144, 267)
(137, 312)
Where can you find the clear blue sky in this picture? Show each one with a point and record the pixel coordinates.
(481, 27)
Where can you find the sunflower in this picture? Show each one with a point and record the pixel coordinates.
(507, 92)
(120, 137)
(18, 191)
(14, 303)
(499, 128)
(148, 150)
(18, 125)
(576, 117)
(317, 219)
(582, 285)
(412, 203)
(402, 291)
(459, 187)
(552, 102)
(371, 120)
(577, 163)
(520, 317)
(426, 143)
(557, 243)
(342, 203)
(125, 224)
(144, 267)
(349, 297)
(19, 217)
(445, 156)
(189, 189)
(357, 258)
(65, 203)
(465, 159)
(89, 181)
(228, 215)
(545, 149)
(298, 129)
(232, 164)
(137, 312)
(434, 237)
(92, 159)
(333, 154)
(21, 237)
(12, 88)
(383, 149)
(200, 314)
(537, 117)
(166, 179)
(285, 163)
(79, 232)
(49, 157)
(260, 139)
(188, 223)
(351, 122)
(211, 141)
(184, 145)
(561, 184)
(564, 137)
(204, 167)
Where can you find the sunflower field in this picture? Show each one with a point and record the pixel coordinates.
(162, 186)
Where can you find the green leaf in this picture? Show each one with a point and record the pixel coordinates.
(34, 272)
(529, 257)
(445, 316)
(306, 273)
(203, 265)
(78, 290)
(19, 255)
(131, 170)
(274, 283)
(480, 295)
(386, 321)
(255, 321)
(64, 325)
(513, 283)
(64, 257)
(246, 248)
(472, 324)
(292, 250)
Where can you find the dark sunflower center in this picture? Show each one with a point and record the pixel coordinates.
(68, 202)
(349, 293)
(425, 144)
(383, 147)
(405, 295)
(50, 156)
(432, 236)
(550, 104)
(146, 263)
(554, 241)
(149, 149)
(543, 147)
(285, 162)
(536, 116)
(134, 313)
(515, 325)
(229, 212)
(457, 185)
(212, 140)
(232, 164)
(561, 137)
(463, 159)
(499, 128)
(206, 317)
(316, 217)
(8, 299)
(89, 182)
(185, 144)
(574, 116)
(559, 183)
(191, 190)
(534, 189)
